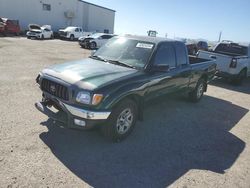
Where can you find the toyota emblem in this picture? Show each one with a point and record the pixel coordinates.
(53, 88)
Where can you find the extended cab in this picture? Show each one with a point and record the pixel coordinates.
(232, 59)
(71, 33)
(111, 86)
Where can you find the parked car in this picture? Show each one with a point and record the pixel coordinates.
(9, 26)
(193, 48)
(39, 32)
(2, 27)
(94, 41)
(109, 89)
(232, 59)
(71, 33)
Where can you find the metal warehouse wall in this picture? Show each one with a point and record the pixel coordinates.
(88, 16)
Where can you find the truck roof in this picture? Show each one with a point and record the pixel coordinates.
(155, 40)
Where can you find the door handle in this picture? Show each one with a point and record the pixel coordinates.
(213, 57)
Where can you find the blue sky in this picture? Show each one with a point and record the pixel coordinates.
(180, 18)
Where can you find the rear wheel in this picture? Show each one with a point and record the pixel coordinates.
(198, 92)
(240, 78)
(121, 122)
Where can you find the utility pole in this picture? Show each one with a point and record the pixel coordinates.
(220, 36)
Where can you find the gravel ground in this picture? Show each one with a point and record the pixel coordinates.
(179, 144)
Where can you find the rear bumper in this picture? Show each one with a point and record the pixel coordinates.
(68, 115)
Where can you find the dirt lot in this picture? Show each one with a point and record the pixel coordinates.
(179, 144)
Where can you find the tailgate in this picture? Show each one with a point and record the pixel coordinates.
(222, 61)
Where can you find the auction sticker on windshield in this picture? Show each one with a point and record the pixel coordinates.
(144, 45)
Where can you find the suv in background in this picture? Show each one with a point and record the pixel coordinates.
(193, 48)
(94, 41)
(71, 33)
(38, 32)
(9, 26)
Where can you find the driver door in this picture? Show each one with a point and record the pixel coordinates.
(163, 82)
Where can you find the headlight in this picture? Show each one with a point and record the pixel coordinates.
(83, 97)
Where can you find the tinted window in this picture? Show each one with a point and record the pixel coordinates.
(165, 55)
(231, 49)
(181, 52)
(106, 37)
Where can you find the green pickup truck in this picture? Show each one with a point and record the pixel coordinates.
(109, 89)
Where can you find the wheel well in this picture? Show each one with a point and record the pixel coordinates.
(205, 77)
(245, 69)
(139, 103)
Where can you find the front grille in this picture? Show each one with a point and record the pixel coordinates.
(55, 89)
(63, 33)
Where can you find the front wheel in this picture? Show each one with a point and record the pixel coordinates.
(198, 92)
(121, 122)
(92, 45)
(72, 37)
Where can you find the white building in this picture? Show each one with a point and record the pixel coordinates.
(59, 14)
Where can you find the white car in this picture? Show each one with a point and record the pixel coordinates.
(38, 32)
(71, 33)
(94, 41)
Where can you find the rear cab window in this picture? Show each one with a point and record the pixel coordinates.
(231, 49)
(181, 54)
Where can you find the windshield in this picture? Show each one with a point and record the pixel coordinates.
(130, 52)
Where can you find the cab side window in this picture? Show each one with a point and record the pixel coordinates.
(165, 55)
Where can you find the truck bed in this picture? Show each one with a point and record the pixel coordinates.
(194, 59)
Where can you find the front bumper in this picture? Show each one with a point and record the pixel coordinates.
(69, 114)
(35, 35)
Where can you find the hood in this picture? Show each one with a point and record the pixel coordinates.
(88, 73)
(34, 27)
(68, 29)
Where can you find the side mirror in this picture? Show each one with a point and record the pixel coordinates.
(93, 52)
(160, 68)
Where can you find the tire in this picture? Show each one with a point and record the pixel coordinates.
(197, 93)
(117, 127)
(240, 78)
(52, 36)
(92, 46)
(72, 38)
(42, 38)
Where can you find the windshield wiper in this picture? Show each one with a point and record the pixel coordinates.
(120, 63)
(96, 57)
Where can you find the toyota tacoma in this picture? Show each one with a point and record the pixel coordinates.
(109, 89)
